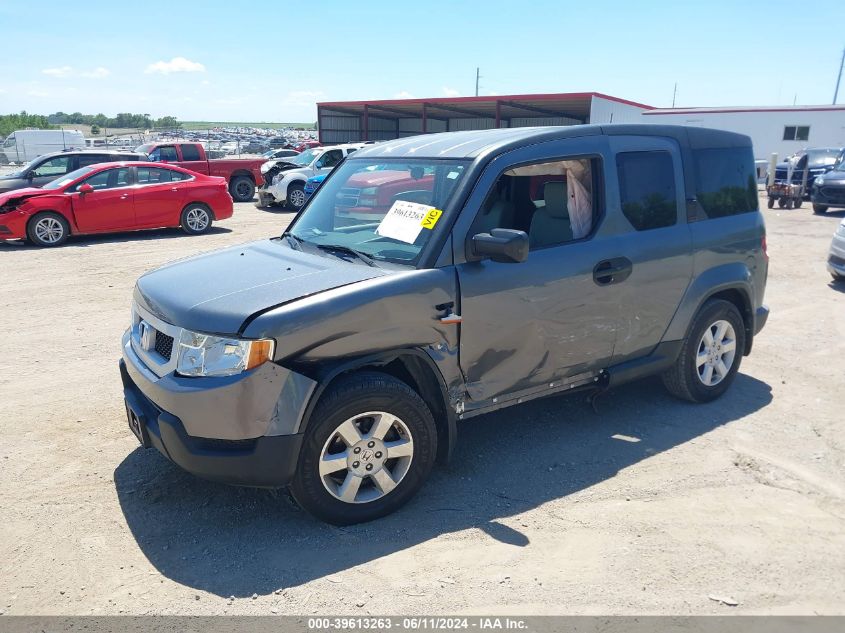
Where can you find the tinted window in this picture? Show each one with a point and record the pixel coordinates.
(647, 189)
(725, 181)
(796, 132)
(93, 159)
(53, 167)
(154, 175)
(331, 158)
(189, 152)
(163, 153)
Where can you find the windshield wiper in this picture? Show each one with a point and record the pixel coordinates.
(294, 240)
(338, 248)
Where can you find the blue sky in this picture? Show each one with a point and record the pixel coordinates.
(271, 61)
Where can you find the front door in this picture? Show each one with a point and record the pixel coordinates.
(109, 207)
(550, 318)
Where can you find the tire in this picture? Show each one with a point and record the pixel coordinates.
(781, 202)
(797, 203)
(361, 404)
(47, 229)
(196, 219)
(685, 380)
(788, 204)
(296, 196)
(771, 203)
(242, 189)
(819, 208)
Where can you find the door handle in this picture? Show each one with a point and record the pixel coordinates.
(124, 196)
(173, 189)
(612, 271)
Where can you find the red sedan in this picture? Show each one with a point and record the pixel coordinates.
(112, 197)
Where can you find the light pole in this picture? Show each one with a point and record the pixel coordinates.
(838, 77)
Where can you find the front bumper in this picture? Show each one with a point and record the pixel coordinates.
(830, 195)
(13, 225)
(241, 430)
(836, 258)
(761, 315)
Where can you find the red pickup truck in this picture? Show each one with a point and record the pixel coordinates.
(242, 174)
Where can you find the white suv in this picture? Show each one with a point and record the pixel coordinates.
(285, 182)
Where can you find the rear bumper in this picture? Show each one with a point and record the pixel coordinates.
(268, 462)
(761, 315)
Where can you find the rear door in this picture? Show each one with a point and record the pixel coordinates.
(650, 203)
(159, 196)
(109, 207)
(192, 158)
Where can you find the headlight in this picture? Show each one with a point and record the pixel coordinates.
(818, 181)
(207, 355)
(265, 167)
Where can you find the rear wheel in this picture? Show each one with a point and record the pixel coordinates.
(296, 196)
(711, 354)
(369, 447)
(788, 204)
(771, 203)
(242, 189)
(196, 219)
(47, 229)
(797, 203)
(819, 208)
(781, 202)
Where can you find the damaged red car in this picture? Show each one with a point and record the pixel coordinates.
(112, 197)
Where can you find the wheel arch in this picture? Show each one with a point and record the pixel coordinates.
(738, 296)
(242, 172)
(413, 367)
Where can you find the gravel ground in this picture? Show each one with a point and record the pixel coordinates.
(648, 505)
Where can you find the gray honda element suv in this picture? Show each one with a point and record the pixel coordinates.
(440, 277)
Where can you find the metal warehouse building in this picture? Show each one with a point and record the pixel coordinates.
(777, 129)
(350, 121)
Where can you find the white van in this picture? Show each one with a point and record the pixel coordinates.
(21, 146)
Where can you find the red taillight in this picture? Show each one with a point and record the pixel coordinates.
(765, 249)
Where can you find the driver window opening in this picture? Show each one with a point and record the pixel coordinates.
(553, 202)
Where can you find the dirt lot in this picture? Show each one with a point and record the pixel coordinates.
(648, 506)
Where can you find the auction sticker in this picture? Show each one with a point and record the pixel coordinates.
(405, 220)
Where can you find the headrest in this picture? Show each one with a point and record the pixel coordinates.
(555, 196)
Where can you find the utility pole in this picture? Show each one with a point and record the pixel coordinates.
(838, 77)
(674, 94)
(478, 76)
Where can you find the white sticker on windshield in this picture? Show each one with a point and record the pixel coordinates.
(404, 221)
(452, 175)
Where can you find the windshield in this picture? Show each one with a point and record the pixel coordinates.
(385, 209)
(58, 183)
(303, 159)
(822, 157)
(145, 149)
(29, 166)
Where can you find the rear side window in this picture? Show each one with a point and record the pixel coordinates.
(154, 175)
(190, 152)
(647, 189)
(725, 181)
(93, 159)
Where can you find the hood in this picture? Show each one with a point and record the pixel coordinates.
(834, 175)
(17, 196)
(217, 292)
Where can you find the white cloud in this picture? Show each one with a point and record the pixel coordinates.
(61, 71)
(37, 93)
(451, 92)
(175, 65)
(98, 73)
(404, 94)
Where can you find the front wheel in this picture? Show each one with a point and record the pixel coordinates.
(711, 354)
(47, 229)
(242, 189)
(819, 208)
(196, 219)
(771, 203)
(296, 196)
(369, 447)
(798, 202)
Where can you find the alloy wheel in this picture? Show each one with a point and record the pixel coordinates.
(49, 230)
(716, 353)
(197, 219)
(366, 457)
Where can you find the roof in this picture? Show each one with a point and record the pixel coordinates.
(472, 144)
(572, 105)
(735, 109)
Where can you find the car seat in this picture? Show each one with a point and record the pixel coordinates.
(551, 223)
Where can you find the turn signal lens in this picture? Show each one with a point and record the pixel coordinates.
(259, 352)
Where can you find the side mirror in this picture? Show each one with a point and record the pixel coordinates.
(86, 188)
(29, 175)
(501, 245)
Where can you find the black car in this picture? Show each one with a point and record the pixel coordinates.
(828, 189)
(48, 167)
(818, 160)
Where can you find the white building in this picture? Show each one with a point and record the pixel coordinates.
(777, 129)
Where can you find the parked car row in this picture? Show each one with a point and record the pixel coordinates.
(790, 190)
